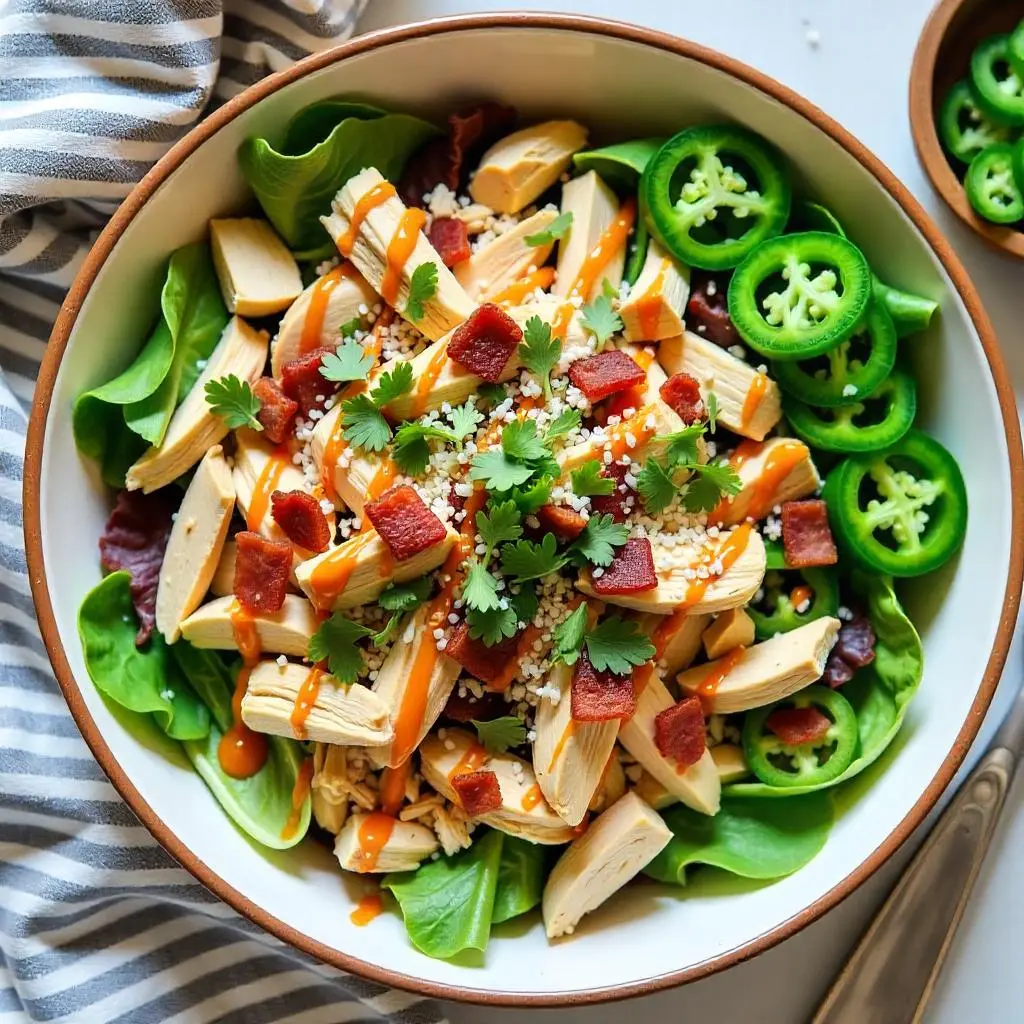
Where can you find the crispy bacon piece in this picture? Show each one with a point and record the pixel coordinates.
(404, 522)
(135, 539)
(599, 696)
(301, 518)
(631, 571)
(302, 381)
(448, 235)
(837, 672)
(485, 342)
(478, 792)
(470, 132)
(854, 649)
(708, 310)
(679, 732)
(482, 662)
(562, 521)
(796, 726)
(681, 392)
(467, 708)
(277, 411)
(621, 403)
(618, 504)
(606, 373)
(806, 535)
(262, 568)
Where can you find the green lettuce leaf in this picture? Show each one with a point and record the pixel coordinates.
(620, 165)
(311, 125)
(142, 680)
(296, 188)
(521, 873)
(447, 903)
(880, 693)
(762, 839)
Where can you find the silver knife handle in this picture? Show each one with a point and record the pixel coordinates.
(890, 974)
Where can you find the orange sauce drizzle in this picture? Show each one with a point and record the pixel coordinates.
(246, 634)
(532, 797)
(728, 551)
(304, 701)
(661, 638)
(611, 241)
(561, 320)
(367, 909)
(637, 427)
(316, 312)
(648, 307)
(542, 278)
(266, 484)
(428, 378)
(400, 248)
(329, 579)
(570, 728)
(798, 595)
(375, 197)
(717, 675)
(382, 480)
(392, 787)
(242, 752)
(373, 836)
(783, 458)
(758, 387)
(523, 647)
(471, 761)
(300, 791)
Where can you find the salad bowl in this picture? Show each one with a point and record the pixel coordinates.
(547, 66)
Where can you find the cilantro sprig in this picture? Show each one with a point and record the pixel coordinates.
(364, 425)
(530, 560)
(660, 480)
(422, 288)
(555, 230)
(348, 362)
(601, 319)
(398, 599)
(539, 352)
(233, 401)
(614, 644)
(335, 642)
(499, 734)
(587, 481)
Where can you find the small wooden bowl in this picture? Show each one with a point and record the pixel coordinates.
(942, 58)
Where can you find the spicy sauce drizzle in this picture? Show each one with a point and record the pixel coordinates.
(756, 392)
(242, 752)
(300, 792)
(373, 836)
(316, 311)
(649, 305)
(376, 196)
(331, 575)
(400, 249)
(471, 761)
(304, 701)
(368, 908)
(532, 797)
(266, 483)
(717, 675)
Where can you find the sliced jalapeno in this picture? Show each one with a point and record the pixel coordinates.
(910, 313)
(793, 599)
(821, 727)
(964, 127)
(991, 187)
(1015, 50)
(902, 511)
(638, 253)
(711, 194)
(849, 372)
(800, 295)
(809, 215)
(998, 90)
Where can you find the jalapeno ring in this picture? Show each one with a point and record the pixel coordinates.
(997, 88)
(991, 185)
(964, 127)
(822, 599)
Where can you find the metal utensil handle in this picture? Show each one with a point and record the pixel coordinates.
(890, 974)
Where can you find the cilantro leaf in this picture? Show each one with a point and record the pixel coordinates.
(364, 423)
(404, 597)
(587, 481)
(422, 287)
(600, 319)
(233, 401)
(555, 229)
(464, 420)
(569, 635)
(529, 560)
(480, 589)
(598, 541)
(708, 485)
(493, 394)
(387, 634)
(656, 486)
(393, 384)
(499, 734)
(520, 441)
(682, 445)
(712, 404)
(492, 626)
(530, 498)
(565, 422)
(335, 643)
(498, 471)
(608, 290)
(346, 362)
(618, 646)
(349, 328)
(503, 524)
(410, 449)
(524, 603)
(539, 352)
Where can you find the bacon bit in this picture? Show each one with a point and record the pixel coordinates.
(301, 518)
(135, 539)
(277, 411)
(485, 342)
(302, 381)
(482, 662)
(837, 672)
(448, 235)
(442, 160)
(679, 732)
(711, 311)
(681, 392)
(606, 373)
(796, 726)
(614, 504)
(404, 522)
(478, 792)
(262, 568)
(599, 696)
(563, 522)
(467, 708)
(631, 571)
(854, 649)
(806, 535)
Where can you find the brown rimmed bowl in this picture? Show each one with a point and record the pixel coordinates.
(648, 937)
(942, 58)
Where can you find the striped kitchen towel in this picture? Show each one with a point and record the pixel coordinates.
(97, 923)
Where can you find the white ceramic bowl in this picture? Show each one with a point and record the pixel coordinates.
(622, 82)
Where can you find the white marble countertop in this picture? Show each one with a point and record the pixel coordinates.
(858, 73)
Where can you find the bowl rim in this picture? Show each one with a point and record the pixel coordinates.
(930, 153)
(560, 23)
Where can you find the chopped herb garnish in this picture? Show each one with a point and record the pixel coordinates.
(601, 319)
(347, 362)
(335, 642)
(465, 419)
(598, 541)
(497, 471)
(349, 328)
(656, 486)
(493, 394)
(532, 560)
(521, 442)
(480, 589)
(539, 352)
(422, 288)
(564, 423)
(494, 625)
(233, 401)
(502, 524)
(499, 734)
(709, 484)
(587, 481)
(569, 634)
(618, 646)
(398, 599)
(410, 450)
(556, 229)
(364, 423)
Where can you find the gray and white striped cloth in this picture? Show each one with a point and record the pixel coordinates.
(97, 923)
